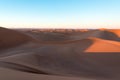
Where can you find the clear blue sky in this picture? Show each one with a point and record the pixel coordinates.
(60, 13)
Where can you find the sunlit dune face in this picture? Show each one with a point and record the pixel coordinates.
(116, 31)
(104, 46)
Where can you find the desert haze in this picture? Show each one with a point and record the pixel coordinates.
(59, 54)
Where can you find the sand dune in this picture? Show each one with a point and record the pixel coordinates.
(89, 66)
(89, 55)
(116, 31)
(100, 45)
(107, 35)
(10, 38)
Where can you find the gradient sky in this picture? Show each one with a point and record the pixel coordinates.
(60, 13)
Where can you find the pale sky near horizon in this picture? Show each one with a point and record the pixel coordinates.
(60, 13)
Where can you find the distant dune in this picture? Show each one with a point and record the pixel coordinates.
(81, 55)
(107, 35)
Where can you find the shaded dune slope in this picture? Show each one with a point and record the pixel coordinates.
(107, 35)
(63, 46)
(17, 75)
(65, 63)
(49, 36)
(88, 45)
(10, 38)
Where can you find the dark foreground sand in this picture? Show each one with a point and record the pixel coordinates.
(91, 55)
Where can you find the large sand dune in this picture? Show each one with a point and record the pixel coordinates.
(11, 38)
(89, 55)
